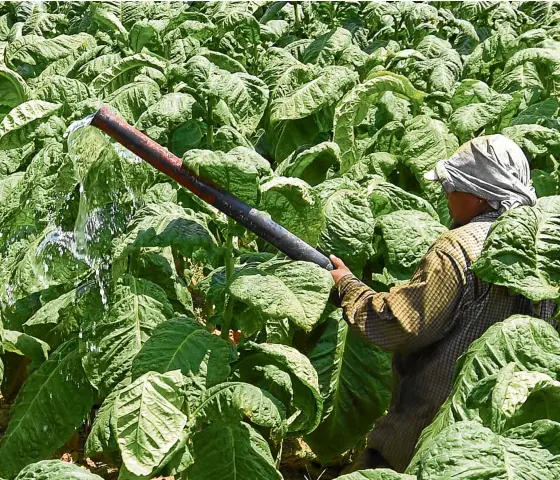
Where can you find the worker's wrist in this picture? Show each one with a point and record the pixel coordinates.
(346, 283)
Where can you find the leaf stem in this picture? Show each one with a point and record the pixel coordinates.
(210, 122)
(296, 17)
(230, 268)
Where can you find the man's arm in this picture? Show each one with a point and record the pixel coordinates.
(412, 315)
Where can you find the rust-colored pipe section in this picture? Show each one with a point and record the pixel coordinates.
(171, 165)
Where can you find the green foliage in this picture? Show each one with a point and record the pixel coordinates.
(521, 252)
(50, 468)
(323, 115)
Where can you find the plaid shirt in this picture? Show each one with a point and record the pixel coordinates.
(428, 323)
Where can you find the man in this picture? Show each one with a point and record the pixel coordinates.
(430, 321)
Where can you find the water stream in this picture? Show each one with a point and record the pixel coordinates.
(106, 203)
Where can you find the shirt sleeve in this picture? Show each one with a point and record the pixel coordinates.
(411, 315)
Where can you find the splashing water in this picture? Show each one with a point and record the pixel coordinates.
(126, 154)
(110, 181)
(65, 242)
(77, 125)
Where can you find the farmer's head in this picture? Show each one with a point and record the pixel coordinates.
(486, 173)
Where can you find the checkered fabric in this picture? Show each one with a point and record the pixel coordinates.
(428, 323)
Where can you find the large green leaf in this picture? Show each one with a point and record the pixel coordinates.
(531, 344)
(288, 136)
(276, 61)
(546, 57)
(62, 90)
(166, 224)
(164, 116)
(457, 452)
(23, 344)
(136, 307)
(33, 267)
(149, 420)
(522, 251)
(303, 91)
(11, 160)
(108, 20)
(425, 142)
(377, 474)
(92, 63)
(512, 398)
(102, 437)
(64, 316)
(122, 72)
(546, 183)
(158, 266)
(32, 53)
(539, 113)
(185, 345)
(327, 48)
(379, 163)
(443, 65)
(355, 383)
(13, 89)
(241, 453)
(293, 380)
(52, 403)
(354, 106)
(295, 205)
(384, 198)
(49, 469)
(479, 107)
(236, 174)
(245, 96)
(232, 402)
(405, 237)
(41, 195)
(349, 224)
(536, 140)
(43, 23)
(9, 185)
(297, 291)
(312, 164)
(522, 77)
(19, 124)
(133, 99)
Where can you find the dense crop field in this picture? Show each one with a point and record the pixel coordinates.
(115, 283)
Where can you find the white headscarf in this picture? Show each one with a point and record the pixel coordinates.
(492, 167)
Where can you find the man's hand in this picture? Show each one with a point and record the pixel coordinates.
(340, 270)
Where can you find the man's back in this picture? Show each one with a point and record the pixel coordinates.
(428, 323)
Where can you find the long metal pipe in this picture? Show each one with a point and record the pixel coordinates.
(171, 165)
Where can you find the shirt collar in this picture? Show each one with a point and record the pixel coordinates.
(485, 217)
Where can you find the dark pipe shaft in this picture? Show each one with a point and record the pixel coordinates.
(171, 165)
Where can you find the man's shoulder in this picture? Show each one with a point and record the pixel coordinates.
(465, 243)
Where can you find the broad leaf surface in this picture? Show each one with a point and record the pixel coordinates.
(292, 203)
(241, 453)
(52, 404)
(49, 469)
(279, 289)
(531, 344)
(137, 307)
(522, 251)
(300, 392)
(149, 420)
(166, 225)
(183, 344)
(352, 371)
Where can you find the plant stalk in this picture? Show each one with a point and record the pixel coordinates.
(297, 20)
(230, 268)
(210, 122)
